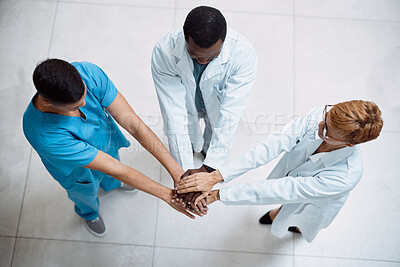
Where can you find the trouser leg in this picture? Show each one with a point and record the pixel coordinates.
(208, 131)
(85, 199)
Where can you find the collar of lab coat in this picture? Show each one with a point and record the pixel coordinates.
(180, 52)
(329, 158)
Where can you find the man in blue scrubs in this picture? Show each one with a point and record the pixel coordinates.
(70, 124)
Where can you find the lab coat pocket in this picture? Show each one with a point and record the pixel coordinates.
(219, 92)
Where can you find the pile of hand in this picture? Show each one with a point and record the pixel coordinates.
(193, 191)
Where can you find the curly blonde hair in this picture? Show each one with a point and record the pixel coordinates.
(358, 121)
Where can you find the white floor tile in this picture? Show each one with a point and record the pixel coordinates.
(39, 252)
(343, 60)
(223, 228)
(356, 9)
(331, 262)
(256, 6)
(25, 32)
(6, 250)
(141, 3)
(14, 159)
(120, 40)
(367, 225)
(199, 258)
(272, 37)
(130, 218)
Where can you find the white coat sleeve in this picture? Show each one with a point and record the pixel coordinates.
(233, 103)
(286, 190)
(272, 146)
(171, 97)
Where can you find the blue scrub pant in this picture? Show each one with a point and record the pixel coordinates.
(84, 195)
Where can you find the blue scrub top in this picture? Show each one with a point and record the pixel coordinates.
(65, 144)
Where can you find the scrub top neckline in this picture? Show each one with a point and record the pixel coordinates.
(56, 114)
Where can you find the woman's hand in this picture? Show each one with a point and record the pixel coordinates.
(203, 182)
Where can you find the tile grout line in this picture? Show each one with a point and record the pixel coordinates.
(229, 11)
(156, 224)
(85, 241)
(346, 258)
(209, 250)
(294, 91)
(294, 58)
(349, 19)
(22, 205)
(52, 30)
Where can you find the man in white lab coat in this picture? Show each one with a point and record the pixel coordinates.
(321, 165)
(205, 71)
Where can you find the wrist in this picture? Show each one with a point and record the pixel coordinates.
(165, 194)
(217, 177)
(176, 174)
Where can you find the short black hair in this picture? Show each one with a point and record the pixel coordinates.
(206, 25)
(58, 82)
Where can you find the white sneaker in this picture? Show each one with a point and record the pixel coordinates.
(126, 188)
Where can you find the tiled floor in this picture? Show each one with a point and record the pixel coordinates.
(310, 53)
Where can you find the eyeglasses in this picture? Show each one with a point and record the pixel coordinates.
(325, 129)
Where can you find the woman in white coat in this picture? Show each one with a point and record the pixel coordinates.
(322, 164)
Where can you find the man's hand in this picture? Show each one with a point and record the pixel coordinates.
(193, 171)
(178, 206)
(187, 201)
(199, 182)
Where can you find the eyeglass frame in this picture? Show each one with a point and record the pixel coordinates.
(325, 129)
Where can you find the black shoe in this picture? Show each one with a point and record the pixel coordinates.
(293, 229)
(266, 219)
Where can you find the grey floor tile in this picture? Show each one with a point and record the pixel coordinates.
(234, 228)
(6, 250)
(198, 258)
(40, 252)
(366, 227)
(120, 40)
(255, 6)
(25, 32)
(14, 157)
(141, 3)
(355, 9)
(130, 218)
(300, 261)
(344, 60)
(13, 168)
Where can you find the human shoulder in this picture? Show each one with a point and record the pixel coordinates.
(171, 40)
(86, 68)
(237, 41)
(355, 164)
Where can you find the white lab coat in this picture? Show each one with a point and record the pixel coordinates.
(225, 84)
(312, 188)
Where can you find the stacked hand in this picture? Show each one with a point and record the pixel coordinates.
(194, 189)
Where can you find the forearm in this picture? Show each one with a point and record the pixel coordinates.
(146, 137)
(143, 183)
